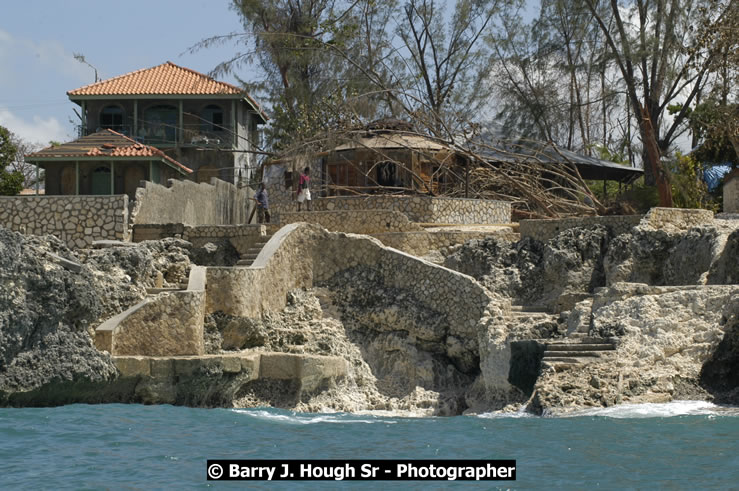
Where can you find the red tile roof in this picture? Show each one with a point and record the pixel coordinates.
(164, 79)
(104, 143)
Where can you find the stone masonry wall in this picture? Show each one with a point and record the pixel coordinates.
(425, 209)
(190, 203)
(354, 221)
(76, 220)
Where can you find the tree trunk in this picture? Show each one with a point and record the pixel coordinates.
(653, 161)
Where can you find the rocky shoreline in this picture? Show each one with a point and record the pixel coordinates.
(666, 299)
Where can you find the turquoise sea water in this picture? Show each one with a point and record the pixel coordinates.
(675, 446)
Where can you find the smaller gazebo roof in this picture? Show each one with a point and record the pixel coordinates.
(104, 145)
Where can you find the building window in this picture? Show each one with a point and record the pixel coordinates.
(159, 125)
(111, 117)
(212, 119)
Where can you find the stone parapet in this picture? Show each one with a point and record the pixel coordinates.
(76, 220)
(354, 221)
(420, 209)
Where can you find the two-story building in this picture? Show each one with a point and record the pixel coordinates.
(209, 126)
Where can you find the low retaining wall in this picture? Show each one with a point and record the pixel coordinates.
(169, 324)
(544, 230)
(190, 203)
(424, 209)
(670, 219)
(354, 221)
(76, 220)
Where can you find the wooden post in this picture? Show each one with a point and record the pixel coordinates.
(605, 190)
(77, 178)
(83, 132)
(151, 171)
(180, 129)
(466, 178)
(234, 127)
(112, 177)
(234, 136)
(135, 119)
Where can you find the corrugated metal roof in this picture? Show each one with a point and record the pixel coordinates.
(498, 149)
(104, 143)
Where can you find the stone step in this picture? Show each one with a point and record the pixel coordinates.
(563, 365)
(530, 308)
(562, 359)
(566, 354)
(579, 347)
(250, 255)
(244, 262)
(574, 360)
(532, 315)
(585, 338)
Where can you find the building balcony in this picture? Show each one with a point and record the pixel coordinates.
(165, 135)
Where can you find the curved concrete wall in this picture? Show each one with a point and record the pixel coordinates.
(300, 255)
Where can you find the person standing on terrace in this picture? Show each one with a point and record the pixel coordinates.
(262, 200)
(304, 189)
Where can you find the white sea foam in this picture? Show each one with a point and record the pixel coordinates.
(306, 418)
(521, 413)
(659, 410)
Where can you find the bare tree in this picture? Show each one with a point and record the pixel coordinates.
(663, 61)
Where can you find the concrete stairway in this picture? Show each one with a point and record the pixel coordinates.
(576, 351)
(247, 259)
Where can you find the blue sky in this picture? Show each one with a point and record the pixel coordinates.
(38, 39)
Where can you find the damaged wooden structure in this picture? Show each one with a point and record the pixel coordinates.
(389, 157)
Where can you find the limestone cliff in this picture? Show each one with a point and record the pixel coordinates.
(51, 297)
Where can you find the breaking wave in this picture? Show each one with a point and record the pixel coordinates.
(307, 418)
(659, 410)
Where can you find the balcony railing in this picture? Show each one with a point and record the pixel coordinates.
(193, 135)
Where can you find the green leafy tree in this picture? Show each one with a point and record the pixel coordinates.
(11, 183)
